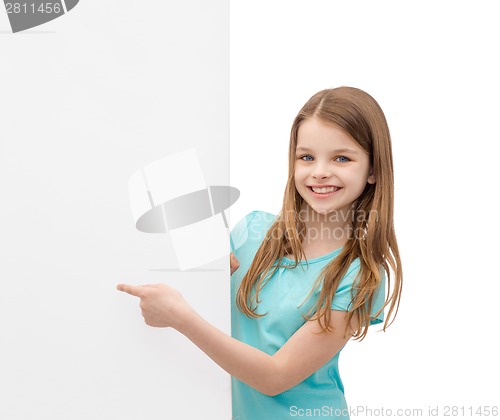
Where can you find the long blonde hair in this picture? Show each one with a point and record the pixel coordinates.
(361, 116)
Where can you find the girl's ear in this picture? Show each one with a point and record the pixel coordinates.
(371, 178)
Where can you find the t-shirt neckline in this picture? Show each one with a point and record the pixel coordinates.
(317, 259)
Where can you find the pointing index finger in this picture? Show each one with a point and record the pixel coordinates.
(131, 290)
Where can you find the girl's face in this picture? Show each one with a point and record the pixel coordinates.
(327, 176)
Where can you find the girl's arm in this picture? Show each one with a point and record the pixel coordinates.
(302, 355)
(234, 264)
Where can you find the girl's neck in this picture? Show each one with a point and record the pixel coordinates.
(325, 231)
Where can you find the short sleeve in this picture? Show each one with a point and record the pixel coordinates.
(343, 296)
(251, 230)
(246, 237)
(241, 231)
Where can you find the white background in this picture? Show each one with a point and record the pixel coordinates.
(91, 97)
(433, 67)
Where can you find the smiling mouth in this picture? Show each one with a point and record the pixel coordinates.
(324, 190)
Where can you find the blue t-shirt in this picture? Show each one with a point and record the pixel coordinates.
(322, 393)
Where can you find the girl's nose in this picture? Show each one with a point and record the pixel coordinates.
(321, 172)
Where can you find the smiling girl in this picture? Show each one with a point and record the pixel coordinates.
(305, 281)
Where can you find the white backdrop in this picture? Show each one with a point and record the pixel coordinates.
(91, 97)
(433, 67)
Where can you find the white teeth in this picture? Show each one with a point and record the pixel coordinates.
(324, 190)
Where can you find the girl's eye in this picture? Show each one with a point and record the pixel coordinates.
(305, 156)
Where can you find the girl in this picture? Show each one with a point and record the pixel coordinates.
(305, 281)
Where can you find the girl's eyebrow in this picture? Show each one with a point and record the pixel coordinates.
(306, 149)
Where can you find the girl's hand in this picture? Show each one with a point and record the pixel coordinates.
(233, 263)
(162, 305)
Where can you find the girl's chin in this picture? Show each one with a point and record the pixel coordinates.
(323, 211)
(326, 211)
